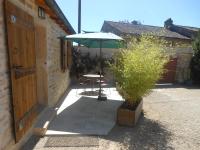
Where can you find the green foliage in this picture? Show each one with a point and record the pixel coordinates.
(138, 67)
(196, 44)
(195, 62)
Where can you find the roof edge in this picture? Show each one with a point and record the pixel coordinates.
(107, 22)
(110, 24)
(53, 5)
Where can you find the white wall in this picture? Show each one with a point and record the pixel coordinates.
(107, 52)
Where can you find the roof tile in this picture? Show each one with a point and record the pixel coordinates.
(128, 28)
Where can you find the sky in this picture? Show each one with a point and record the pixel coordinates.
(149, 12)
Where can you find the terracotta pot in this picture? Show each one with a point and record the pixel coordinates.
(129, 117)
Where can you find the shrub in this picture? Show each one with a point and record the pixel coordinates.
(138, 67)
(195, 62)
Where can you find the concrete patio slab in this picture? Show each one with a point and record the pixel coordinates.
(170, 121)
(44, 120)
(86, 115)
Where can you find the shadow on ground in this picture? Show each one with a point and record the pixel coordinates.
(171, 85)
(147, 134)
(86, 116)
(90, 93)
(31, 143)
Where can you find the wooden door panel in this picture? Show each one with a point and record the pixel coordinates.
(31, 47)
(21, 47)
(170, 74)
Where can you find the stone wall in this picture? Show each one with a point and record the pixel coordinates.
(106, 52)
(184, 56)
(182, 50)
(57, 80)
(5, 104)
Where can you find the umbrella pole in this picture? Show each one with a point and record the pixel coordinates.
(100, 55)
(100, 97)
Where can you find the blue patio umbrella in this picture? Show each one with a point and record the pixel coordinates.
(97, 40)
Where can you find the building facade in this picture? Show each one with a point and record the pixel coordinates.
(178, 67)
(30, 56)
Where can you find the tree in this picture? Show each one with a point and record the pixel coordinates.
(136, 22)
(195, 62)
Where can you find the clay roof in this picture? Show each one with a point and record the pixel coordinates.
(189, 28)
(132, 29)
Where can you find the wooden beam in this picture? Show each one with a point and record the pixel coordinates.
(53, 17)
(59, 21)
(42, 4)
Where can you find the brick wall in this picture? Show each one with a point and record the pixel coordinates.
(57, 81)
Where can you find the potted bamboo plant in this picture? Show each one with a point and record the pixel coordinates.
(136, 70)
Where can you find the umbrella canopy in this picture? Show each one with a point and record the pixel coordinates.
(93, 40)
(97, 40)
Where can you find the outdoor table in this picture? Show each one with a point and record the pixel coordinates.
(92, 78)
(98, 40)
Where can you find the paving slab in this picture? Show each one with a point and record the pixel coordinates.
(86, 115)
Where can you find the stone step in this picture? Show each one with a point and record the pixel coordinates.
(44, 120)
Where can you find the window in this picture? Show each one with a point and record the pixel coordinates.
(66, 55)
(63, 55)
(41, 13)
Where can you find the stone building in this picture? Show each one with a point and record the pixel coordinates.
(178, 67)
(33, 70)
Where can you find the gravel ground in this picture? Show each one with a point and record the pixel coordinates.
(171, 120)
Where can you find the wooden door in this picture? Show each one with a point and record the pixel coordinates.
(21, 47)
(170, 74)
(41, 64)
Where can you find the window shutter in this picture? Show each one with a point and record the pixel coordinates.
(69, 54)
(63, 55)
